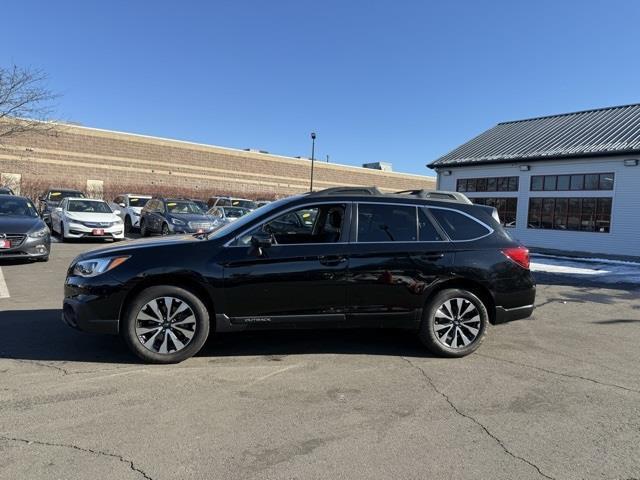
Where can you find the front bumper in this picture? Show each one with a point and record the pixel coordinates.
(76, 230)
(93, 304)
(29, 248)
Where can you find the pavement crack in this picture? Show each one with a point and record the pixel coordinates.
(120, 458)
(62, 370)
(474, 420)
(560, 374)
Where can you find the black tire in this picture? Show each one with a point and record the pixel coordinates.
(165, 229)
(449, 342)
(129, 321)
(143, 229)
(127, 225)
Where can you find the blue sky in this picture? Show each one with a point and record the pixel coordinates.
(397, 81)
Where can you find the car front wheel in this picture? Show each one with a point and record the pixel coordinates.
(165, 324)
(143, 229)
(127, 224)
(454, 323)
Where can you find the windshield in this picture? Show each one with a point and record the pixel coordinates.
(88, 206)
(18, 207)
(236, 212)
(202, 205)
(58, 195)
(238, 202)
(138, 201)
(183, 208)
(249, 217)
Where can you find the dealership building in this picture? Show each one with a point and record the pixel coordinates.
(107, 163)
(561, 182)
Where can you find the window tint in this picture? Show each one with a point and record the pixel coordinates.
(606, 181)
(457, 225)
(426, 231)
(386, 223)
(537, 182)
(320, 224)
(563, 182)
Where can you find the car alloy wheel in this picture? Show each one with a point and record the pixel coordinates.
(457, 323)
(165, 229)
(127, 224)
(165, 325)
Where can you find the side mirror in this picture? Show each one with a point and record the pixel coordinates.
(58, 209)
(122, 205)
(117, 212)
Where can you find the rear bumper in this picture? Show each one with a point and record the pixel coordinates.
(509, 314)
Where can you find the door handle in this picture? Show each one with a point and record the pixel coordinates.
(432, 256)
(331, 260)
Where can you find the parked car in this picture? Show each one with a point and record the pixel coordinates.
(130, 205)
(6, 191)
(168, 215)
(232, 202)
(228, 214)
(23, 234)
(52, 198)
(86, 218)
(445, 269)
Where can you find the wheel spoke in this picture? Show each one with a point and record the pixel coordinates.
(474, 331)
(145, 316)
(155, 307)
(163, 345)
(168, 304)
(441, 326)
(475, 319)
(465, 309)
(145, 330)
(465, 340)
(189, 319)
(180, 309)
(176, 341)
(440, 313)
(149, 343)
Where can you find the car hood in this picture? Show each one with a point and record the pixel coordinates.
(128, 247)
(15, 224)
(92, 216)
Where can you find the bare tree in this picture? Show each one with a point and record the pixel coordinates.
(25, 102)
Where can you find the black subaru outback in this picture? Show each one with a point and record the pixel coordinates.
(343, 257)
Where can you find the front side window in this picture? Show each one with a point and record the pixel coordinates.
(387, 223)
(137, 202)
(459, 226)
(182, 208)
(426, 231)
(318, 224)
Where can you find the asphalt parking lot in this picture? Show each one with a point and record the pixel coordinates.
(555, 396)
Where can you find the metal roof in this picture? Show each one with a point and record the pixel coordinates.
(604, 131)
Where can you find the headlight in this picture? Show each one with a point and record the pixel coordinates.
(175, 221)
(39, 233)
(96, 266)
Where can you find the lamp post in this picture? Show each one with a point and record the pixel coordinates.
(313, 152)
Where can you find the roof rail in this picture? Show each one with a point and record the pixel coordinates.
(437, 195)
(348, 191)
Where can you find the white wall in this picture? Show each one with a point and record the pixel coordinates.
(624, 237)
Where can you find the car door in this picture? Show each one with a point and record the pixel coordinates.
(299, 280)
(397, 254)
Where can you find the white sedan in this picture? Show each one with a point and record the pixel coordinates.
(86, 218)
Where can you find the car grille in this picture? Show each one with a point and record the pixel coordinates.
(15, 239)
(97, 224)
(202, 225)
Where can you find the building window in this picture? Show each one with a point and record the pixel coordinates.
(489, 184)
(507, 208)
(576, 214)
(590, 181)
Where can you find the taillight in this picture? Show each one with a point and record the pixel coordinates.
(519, 255)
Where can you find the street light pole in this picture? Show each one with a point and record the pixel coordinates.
(313, 152)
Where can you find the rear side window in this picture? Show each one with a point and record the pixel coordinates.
(387, 223)
(457, 225)
(426, 231)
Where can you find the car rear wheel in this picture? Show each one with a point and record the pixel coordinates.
(454, 324)
(165, 324)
